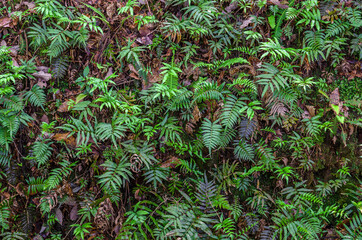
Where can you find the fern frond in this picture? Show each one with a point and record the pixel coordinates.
(60, 67)
(244, 151)
(208, 91)
(5, 158)
(246, 128)
(337, 28)
(115, 175)
(231, 111)
(41, 151)
(36, 96)
(57, 175)
(211, 132)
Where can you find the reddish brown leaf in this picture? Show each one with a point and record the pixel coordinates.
(59, 215)
(137, 196)
(5, 22)
(311, 110)
(334, 97)
(196, 114)
(172, 163)
(73, 215)
(144, 40)
(279, 4)
(44, 118)
(63, 107)
(246, 23)
(70, 141)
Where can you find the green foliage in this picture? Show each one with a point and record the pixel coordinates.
(232, 111)
(180, 119)
(41, 151)
(211, 134)
(115, 176)
(36, 96)
(4, 215)
(57, 175)
(60, 67)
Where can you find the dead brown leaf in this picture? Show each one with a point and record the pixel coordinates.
(44, 118)
(59, 215)
(64, 107)
(73, 215)
(42, 78)
(70, 141)
(196, 114)
(144, 40)
(105, 216)
(171, 163)
(233, 5)
(5, 22)
(111, 10)
(311, 110)
(334, 97)
(246, 23)
(279, 4)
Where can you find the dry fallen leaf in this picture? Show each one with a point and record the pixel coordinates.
(44, 118)
(42, 75)
(334, 97)
(5, 22)
(279, 4)
(73, 215)
(311, 110)
(111, 10)
(70, 141)
(109, 73)
(246, 23)
(233, 5)
(64, 106)
(42, 78)
(59, 215)
(172, 162)
(144, 40)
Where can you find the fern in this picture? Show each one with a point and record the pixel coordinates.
(265, 154)
(4, 215)
(114, 130)
(5, 158)
(36, 96)
(244, 151)
(276, 51)
(156, 175)
(57, 175)
(354, 230)
(204, 11)
(231, 112)
(143, 150)
(83, 130)
(314, 44)
(60, 67)
(13, 236)
(211, 133)
(313, 125)
(41, 151)
(273, 79)
(208, 91)
(35, 185)
(337, 28)
(115, 175)
(246, 128)
(206, 191)
(181, 100)
(243, 85)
